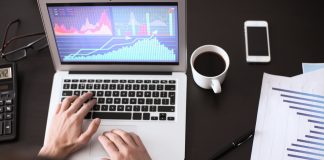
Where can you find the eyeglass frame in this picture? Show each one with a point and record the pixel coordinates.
(6, 42)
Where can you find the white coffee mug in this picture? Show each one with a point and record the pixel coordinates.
(209, 82)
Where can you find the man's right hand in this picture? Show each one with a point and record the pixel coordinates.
(121, 145)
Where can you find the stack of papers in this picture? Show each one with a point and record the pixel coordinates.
(290, 121)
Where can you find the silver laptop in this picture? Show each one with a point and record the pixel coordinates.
(132, 56)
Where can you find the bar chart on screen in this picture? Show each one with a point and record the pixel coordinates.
(116, 33)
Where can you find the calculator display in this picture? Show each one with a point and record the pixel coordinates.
(5, 73)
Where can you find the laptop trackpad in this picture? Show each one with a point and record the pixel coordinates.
(97, 151)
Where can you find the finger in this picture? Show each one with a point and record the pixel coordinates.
(137, 139)
(127, 138)
(116, 139)
(58, 108)
(84, 110)
(67, 102)
(93, 127)
(108, 145)
(79, 102)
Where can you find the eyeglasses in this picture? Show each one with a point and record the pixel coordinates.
(21, 52)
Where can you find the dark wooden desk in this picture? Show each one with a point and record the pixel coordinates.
(296, 36)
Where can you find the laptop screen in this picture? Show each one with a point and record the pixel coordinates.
(116, 33)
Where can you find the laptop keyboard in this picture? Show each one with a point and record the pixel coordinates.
(127, 99)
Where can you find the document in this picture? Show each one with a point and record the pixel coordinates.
(309, 67)
(290, 120)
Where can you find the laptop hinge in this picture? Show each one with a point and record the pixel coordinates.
(121, 73)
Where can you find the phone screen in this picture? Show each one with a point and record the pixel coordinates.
(257, 41)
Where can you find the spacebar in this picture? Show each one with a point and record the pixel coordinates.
(112, 115)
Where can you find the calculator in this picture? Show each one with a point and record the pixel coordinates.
(8, 102)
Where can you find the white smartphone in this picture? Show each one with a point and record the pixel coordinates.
(257, 46)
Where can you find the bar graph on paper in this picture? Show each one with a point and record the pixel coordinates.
(307, 107)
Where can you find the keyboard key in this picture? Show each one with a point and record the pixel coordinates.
(147, 81)
(109, 100)
(67, 93)
(125, 101)
(91, 80)
(172, 81)
(166, 108)
(170, 87)
(164, 81)
(133, 101)
(104, 86)
(75, 80)
(98, 81)
(170, 118)
(157, 101)
(120, 86)
(83, 80)
(139, 81)
(152, 108)
(96, 108)
(155, 81)
(122, 81)
(107, 81)
(67, 80)
(89, 86)
(147, 94)
(112, 108)
(104, 107)
(139, 94)
(107, 93)
(114, 81)
(123, 93)
(115, 93)
(112, 86)
(152, 87)
(100, 93)
(1, 117)
(82, 86)
(164, 94)
(1, 109)
(128, 108)
(120, 108)
(1, 103)
(66, 86)
(156, 94)
(74, 86)
(149, 101)
(165, 101)
(146, 116)
(141, 101)
(131, 81)
(97, 86)
(159, 87)
(154, 118)
(77, 93)
(117, 100)
(101, 100)
(112, 115)
(136, 87)
(144, 108)
(136, 108)
(8, 108)
(162, 116)
(128, 87)
(131, 94)
(143, 87)
(137, 116)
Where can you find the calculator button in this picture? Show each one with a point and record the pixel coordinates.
(7, 127)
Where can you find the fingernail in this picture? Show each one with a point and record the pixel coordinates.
(97, 120)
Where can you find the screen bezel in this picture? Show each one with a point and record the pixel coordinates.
(256, 58)
(182, 52)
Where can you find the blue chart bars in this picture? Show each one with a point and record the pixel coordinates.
(311, 108)
(134, 34)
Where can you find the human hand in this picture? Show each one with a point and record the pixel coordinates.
(65, 133)
(121, 145)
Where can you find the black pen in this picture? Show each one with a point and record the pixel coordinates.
(236, 143)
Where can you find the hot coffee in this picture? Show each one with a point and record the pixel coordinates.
(209, 64)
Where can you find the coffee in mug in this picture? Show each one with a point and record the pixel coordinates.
(209, 65)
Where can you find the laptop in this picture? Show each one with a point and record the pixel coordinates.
(132, 56)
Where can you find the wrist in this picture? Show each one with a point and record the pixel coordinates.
(51, 152)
